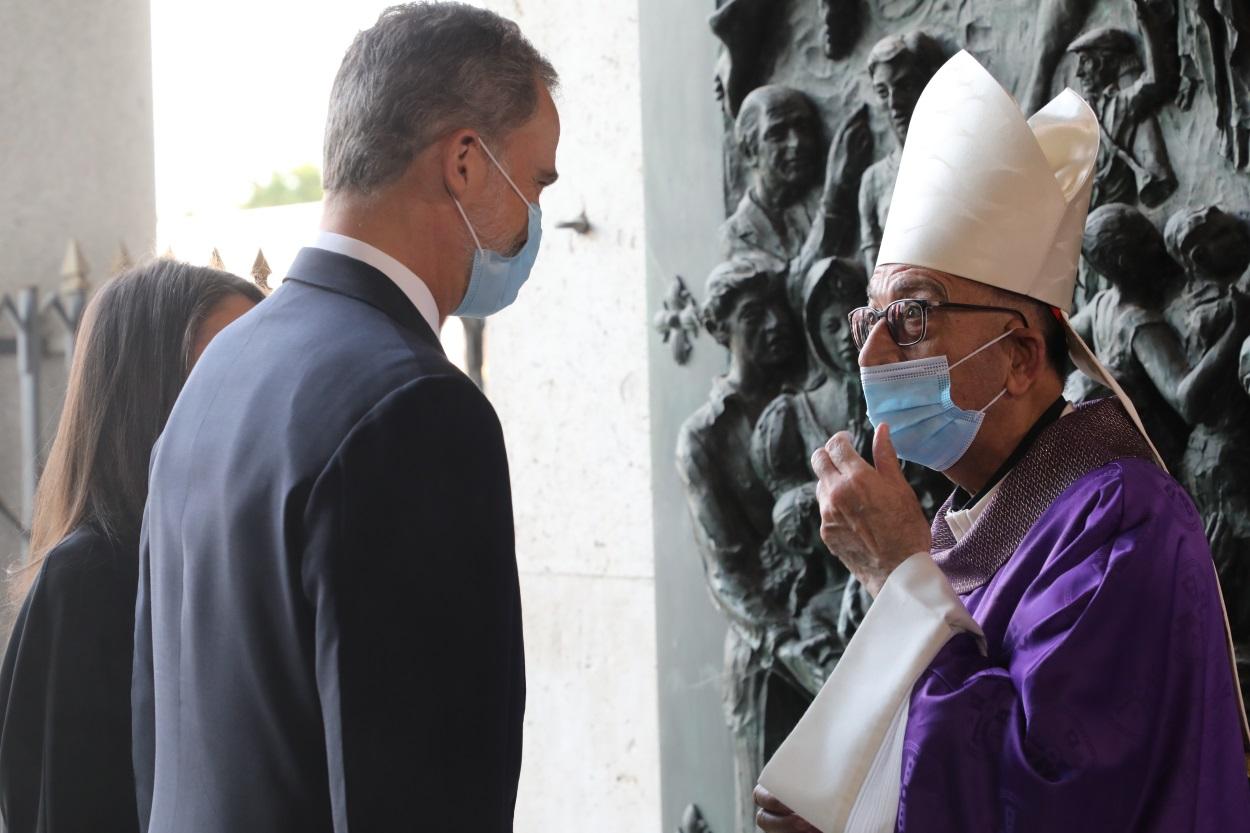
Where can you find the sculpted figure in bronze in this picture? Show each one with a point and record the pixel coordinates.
(798, 422)
(783, 213)
(828, 601)
(1214, 44)
(749, 576)
(899, 66)
(1213, 313)
(738, 24)
(1166, 312)
(1126, 326)
(1133, 161)
(778, 135)
(839, 21)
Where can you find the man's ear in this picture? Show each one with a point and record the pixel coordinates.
(1028, 359)
(462, 165)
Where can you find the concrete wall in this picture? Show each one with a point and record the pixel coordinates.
(76, 160)
(566, 369)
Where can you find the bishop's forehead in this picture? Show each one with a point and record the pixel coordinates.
(892, 281)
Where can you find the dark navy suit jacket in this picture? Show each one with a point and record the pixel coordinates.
(328, 627)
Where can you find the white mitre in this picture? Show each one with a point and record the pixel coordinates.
(984, 194)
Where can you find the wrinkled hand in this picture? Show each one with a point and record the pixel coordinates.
(775, 817)
(869, 517)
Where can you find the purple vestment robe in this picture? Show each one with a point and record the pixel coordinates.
(1106, 702)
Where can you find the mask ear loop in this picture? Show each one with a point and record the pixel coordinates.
(985, 346)
(502, 171)
(992, 401)
(469, 225)
(476, 240)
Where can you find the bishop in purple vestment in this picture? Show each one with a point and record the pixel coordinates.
(1051, 654)
(1105, 701)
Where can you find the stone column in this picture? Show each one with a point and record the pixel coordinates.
(566, 367)
(76, 162)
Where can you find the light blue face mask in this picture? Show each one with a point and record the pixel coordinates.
(496, 279)
(914, 399)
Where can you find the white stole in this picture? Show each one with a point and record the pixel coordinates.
(841, 766)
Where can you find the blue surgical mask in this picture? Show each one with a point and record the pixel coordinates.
(914, 399)
(496, 279)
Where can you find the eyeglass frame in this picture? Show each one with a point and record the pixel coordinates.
(925, 306)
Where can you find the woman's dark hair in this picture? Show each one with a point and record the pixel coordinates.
(133, 354)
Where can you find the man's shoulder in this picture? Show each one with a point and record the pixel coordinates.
(448, 401)
(1134, 499)
(302, 324)
(293, 382)
(408, 413)
(1151, 494)
(430, 430)
(1125, 525)
(319, 341)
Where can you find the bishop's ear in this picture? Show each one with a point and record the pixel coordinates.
(1027, 348)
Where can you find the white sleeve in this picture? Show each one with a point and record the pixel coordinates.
(840, 767)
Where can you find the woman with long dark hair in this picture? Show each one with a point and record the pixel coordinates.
(65, 745)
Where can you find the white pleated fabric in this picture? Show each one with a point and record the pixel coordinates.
(842, 763)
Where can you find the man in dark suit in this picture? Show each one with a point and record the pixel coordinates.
(328, 631)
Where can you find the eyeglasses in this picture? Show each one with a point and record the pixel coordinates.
(907, 319)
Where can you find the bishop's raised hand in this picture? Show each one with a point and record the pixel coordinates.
(869, 516)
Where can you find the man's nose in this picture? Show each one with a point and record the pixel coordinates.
(880, 347)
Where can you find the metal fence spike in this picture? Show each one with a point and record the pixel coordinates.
(74, 268)
(121, 261)
(261, 272)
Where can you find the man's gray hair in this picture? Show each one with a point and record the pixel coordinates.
(423, 70)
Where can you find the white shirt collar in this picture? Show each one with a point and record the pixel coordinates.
(412, 286)
(961, 522)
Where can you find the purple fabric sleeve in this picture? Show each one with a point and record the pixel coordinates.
(1106, 702)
